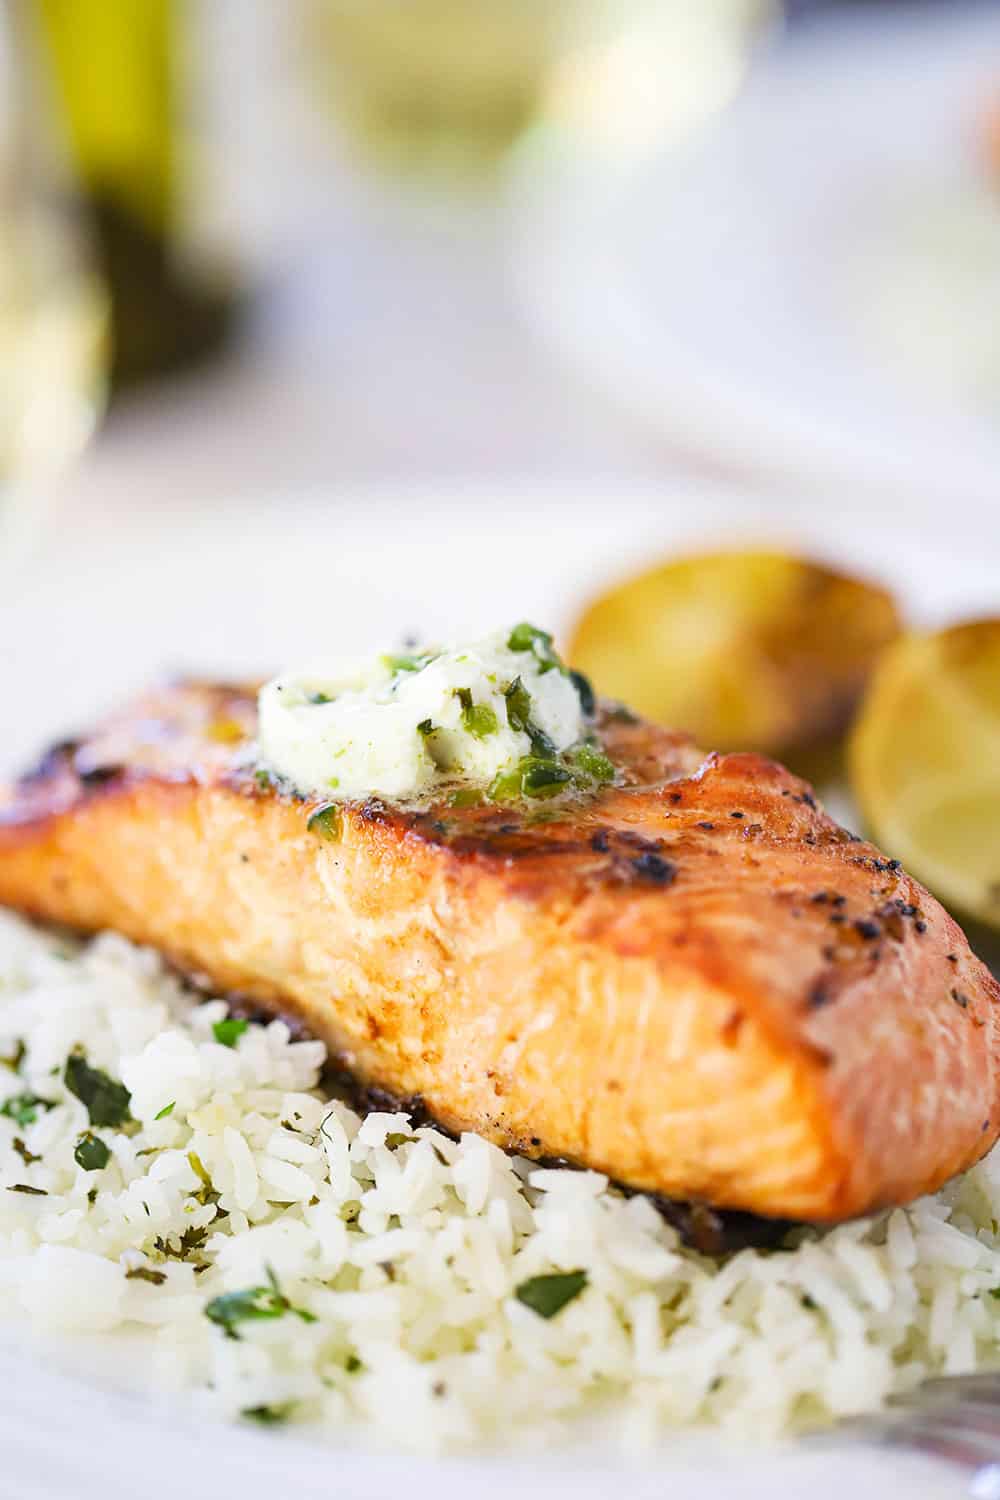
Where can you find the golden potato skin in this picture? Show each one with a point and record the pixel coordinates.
(694, 981)
(746, 650)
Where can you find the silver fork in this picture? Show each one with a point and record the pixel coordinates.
(955, 1418)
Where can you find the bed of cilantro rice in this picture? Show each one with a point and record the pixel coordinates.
(170, 1169)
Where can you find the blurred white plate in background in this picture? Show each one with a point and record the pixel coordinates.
(239, 588)
(812, 288)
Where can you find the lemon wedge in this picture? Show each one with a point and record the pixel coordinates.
(924, 762)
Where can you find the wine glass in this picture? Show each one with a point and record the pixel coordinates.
(53, 310)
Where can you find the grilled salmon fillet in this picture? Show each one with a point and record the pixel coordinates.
(694, 981)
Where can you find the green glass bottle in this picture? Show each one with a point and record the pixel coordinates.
(118, 73)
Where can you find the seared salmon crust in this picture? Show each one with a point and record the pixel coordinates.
(693, 980)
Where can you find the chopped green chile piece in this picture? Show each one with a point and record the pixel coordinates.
(478, 719)
(548, 1295)
(481, 721)
(525, 637)
(467, 796)
(593, 763)
(326, 822)
(531, 777)
(518, 705)
(167, 1109)
(541, 745)
(545, 779)
(506, 787)
(518, 701)
(407, 663)
(588, 702)
(425, 727)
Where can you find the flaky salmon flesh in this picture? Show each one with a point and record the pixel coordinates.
(693, 980)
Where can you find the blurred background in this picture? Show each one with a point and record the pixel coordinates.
(261, 245)
(328, 321)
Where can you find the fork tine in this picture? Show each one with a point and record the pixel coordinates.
(955, 1418)
(868, 1427)
(953, 1442)
(967, 1436)
(964, 1417)
(986, 1405)
(985, 1385)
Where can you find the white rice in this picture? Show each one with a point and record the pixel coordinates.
(405, 1248)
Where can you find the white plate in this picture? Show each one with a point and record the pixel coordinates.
(237, 590)
(811, 289)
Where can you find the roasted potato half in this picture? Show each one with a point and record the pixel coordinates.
(924, 763)
(747, 650)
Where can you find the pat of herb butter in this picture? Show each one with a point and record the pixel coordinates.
(501, 711)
